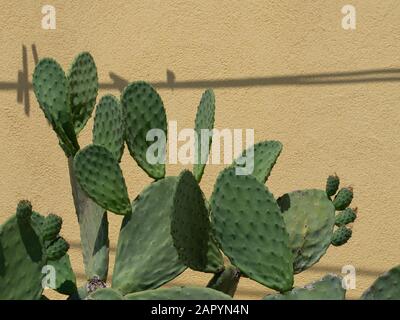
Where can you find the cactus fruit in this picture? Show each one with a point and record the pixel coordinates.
(347, 216)
(108, 129)
(190, 226)
(51, 227)
(332, 185)
(226, 280)
(205, 118)
(264, 156)
(83, 87)
(100, 176)
(179, 293)
(328, 288)
(310, 218)
(343, 198)
(57, 249)
(250, 230)
(24, 211)
(51, 89)
(341, 236)
(143, 111)
(145, 240)
(386, 287)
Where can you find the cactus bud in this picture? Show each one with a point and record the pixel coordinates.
(345, 217)
(94, 284)
(343, 198)
(24, 210)
(57, 249)
(332, 185)
(341, 236)
(51, 227)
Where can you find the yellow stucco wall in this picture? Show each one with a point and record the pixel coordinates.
(349, 123)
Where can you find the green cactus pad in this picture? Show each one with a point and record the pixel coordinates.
(204, 120)
(343, 198)
(345, 217)
(332, 185)
(100, 176)
(65, 277)
(57, 249)
(143, 110)
(328, 288)
(386, 287)
(226, 281)
(83, 87)
(146, 257)
(51, 89)
(310, 218)
(108, 129)
(250, 230)
(190, 225)
(105, 294)
(264, 158)
(51, 227)
(179, 293)
(21, 261)
(341, 236)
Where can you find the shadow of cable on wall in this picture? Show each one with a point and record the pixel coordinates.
(23, 85)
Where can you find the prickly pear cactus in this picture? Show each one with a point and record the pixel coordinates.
(100, 176)
(57, 249)
(250, 230)
(345, 217)
(51, 227)
(386, 287)
(82, 86)
(21, 257)
(264, 156)
(332, 185)
(309, 218)
(226, 280)
(143, 111)
(341, 236)
(108, 129)
(205, 118)
(179, 293)
(146, 257)
(328, 288)
(105, 294)
(190, 226)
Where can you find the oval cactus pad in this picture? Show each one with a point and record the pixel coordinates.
(100, 176)
(310, 218)
(250, 230)
(179, 293)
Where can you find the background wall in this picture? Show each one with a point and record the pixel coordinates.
(328, 122)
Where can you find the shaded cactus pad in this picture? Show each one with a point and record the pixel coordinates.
(179, 293)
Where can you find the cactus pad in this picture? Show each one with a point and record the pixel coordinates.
(310, 218)
(345, 217)
(108, 129)
(386, 287)
(143, 110)
(250, 230)
(57, 249)
(226, 281)
(51, 89)
(328, 288)
(51, 227)
(105, 294)
(21, 261)
(179, 293)
(83, 87)
(65, 277)
(190, 225)
(204, 120)
(264, 158)
(332, 185)
(100, 176)
(146, 257)
(341, 236)
(343, 198)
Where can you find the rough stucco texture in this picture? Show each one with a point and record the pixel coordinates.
(330, 124)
